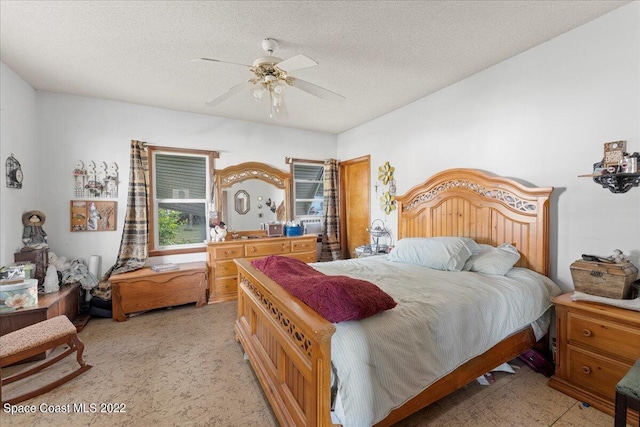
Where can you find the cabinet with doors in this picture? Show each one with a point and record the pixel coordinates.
(223, 274)
(596, 346)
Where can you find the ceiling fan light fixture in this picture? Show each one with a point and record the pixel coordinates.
(271, 74)
(278, 89)
(278, 108)
(257, 92)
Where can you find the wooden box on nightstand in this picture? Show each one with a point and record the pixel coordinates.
(603, 279)
(596, 345)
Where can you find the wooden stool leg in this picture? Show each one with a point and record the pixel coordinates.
(79, 345)
(621, 410)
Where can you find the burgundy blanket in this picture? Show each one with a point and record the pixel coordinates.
(336, 298)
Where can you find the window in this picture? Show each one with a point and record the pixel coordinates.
(180, 199)
(308, 190)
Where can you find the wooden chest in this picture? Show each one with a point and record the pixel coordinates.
(144, 289)
(602, 279)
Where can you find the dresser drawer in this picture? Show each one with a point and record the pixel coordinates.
(267, 248)
(595, 373)
(605, 336)
(228, 252)
(303, 245)
(225, 268)
(304, 257)
(225, 287)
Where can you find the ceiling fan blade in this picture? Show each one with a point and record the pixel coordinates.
(297, 62)
(221, 62)
(318, 91)
(235, 89)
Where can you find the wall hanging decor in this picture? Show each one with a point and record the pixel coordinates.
(388, 199)
(93, 181)
(93, 215)
(618, 171)
(14, 172)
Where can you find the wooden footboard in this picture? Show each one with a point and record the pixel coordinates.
(289, 347)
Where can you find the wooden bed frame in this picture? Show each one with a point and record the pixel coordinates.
(289, 344)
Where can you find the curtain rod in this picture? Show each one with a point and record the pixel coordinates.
(291, 160)
(216, 154)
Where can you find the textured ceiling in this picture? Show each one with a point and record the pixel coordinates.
(378, 55)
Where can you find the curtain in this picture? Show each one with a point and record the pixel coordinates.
(331, 250)
(134, 245)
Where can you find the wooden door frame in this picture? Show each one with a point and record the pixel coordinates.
(341, 200)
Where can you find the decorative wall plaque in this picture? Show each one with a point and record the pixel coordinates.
(614, 153)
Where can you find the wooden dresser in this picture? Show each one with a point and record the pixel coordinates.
(223, 274)
(595, 347)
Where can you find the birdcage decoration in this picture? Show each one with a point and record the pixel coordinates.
(378, 230)
(14, 172)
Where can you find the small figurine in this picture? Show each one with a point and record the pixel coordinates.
(219, 232)
(51, 282)
(33, 235)
(94, 216)
(619, 257)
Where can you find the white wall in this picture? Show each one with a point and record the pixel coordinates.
(541, 116)
(17, 136)
(71, 128)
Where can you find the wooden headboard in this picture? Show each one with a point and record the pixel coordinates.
(491, 210)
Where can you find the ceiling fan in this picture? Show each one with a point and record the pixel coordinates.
(271, 77)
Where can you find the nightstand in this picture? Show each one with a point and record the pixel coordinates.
(596, 346)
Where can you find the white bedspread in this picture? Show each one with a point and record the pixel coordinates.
(442, 320)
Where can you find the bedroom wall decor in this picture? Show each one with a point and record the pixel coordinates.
(14, 172)
(95, 182)
(93, 215)
(618, 170)
(388, 199)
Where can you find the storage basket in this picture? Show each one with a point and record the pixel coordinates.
(16, 296)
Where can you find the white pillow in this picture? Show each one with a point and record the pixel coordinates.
(440, 253)
(492, 260)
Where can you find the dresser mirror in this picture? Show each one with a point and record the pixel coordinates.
(252, 193)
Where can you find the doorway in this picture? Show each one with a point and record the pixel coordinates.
(355, 208)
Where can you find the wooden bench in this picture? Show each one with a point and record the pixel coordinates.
(145, 289)
(24, 343)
